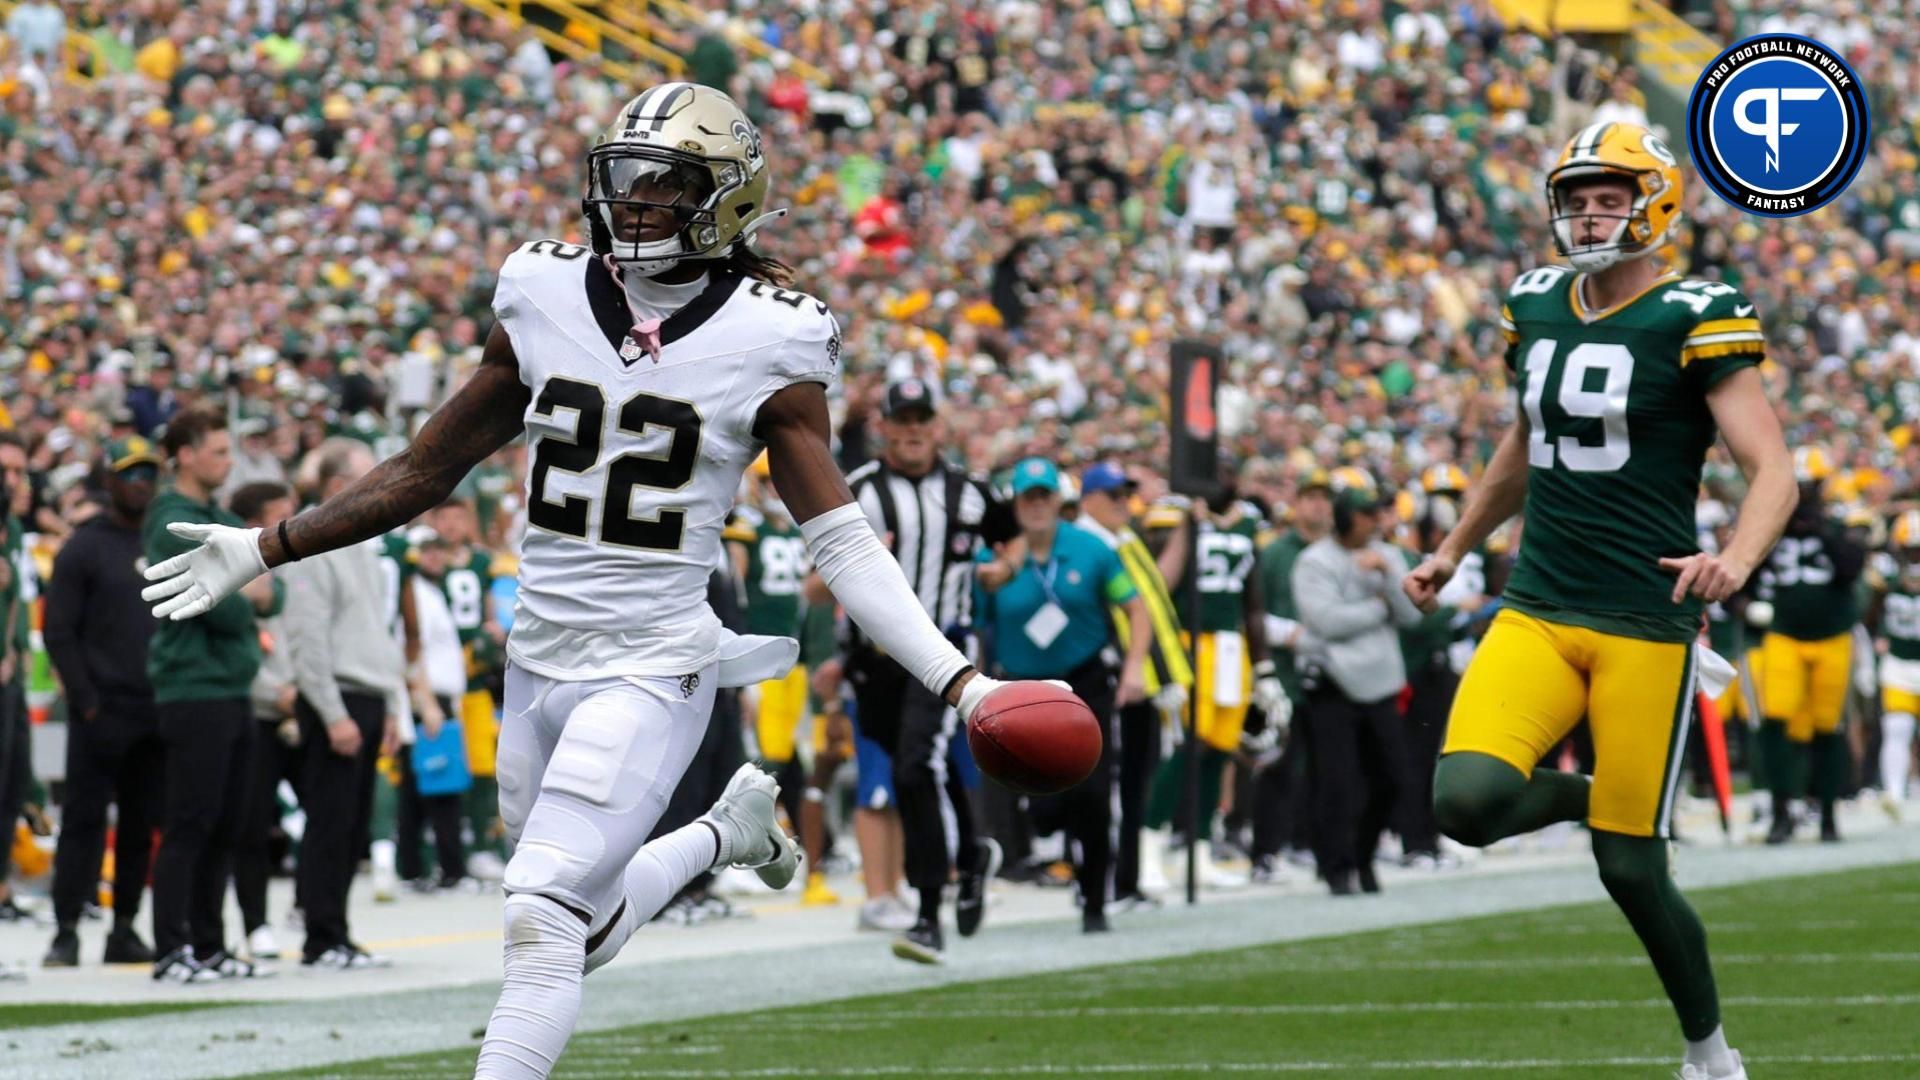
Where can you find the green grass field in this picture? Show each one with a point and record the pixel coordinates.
(25, 1016)
(1820, 977)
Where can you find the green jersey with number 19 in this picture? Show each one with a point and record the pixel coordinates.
(1615, 403)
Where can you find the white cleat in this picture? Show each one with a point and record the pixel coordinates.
(1690, 1071)
(750, 834)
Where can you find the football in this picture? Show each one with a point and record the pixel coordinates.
(1035, 738)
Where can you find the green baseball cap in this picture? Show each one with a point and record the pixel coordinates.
(134, 450)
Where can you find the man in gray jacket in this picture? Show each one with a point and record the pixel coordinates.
(351, 676)
(1345, 586)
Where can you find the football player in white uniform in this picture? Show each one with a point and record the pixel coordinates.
(648, 370)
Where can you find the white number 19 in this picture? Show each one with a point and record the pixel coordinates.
(1607, 404)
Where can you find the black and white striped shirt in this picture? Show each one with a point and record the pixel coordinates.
(933, 526)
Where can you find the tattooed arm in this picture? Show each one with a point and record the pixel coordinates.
(481, 417)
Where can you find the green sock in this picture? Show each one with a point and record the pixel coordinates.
(1479, 798)
(1637, 874)
(1170, 786)
(1828, 753)
(1767, 739)
(1163, 795)
(1799, 768)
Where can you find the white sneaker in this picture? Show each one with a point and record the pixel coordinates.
(1153, 869)
(749, 828)
(262, 945)
(1213, 875)
(886, 914)
(486, 866)
(1690, 1071)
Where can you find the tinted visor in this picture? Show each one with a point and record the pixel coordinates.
(653, 180)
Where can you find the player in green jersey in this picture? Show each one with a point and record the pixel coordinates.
(1625, 372)
(1894, 617)
(468, 587)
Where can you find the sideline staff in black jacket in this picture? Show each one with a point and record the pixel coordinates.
(97, 629)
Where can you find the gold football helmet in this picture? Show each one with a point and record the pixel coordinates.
(683, 150)
(1443, 477)
(1629, 152)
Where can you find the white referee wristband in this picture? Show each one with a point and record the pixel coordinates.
(868, 583)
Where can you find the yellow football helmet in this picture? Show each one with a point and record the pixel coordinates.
(1352, 478)
(1906, 529)
(700, 159)
(1623, 151)
(1445, 476)
(1811, 463)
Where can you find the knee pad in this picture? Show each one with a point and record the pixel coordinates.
(556, 857)
(1897, 728)
(544, 932)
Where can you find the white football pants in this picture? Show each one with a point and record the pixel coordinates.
(585, 771)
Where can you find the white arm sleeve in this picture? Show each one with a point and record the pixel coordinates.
(869, 584)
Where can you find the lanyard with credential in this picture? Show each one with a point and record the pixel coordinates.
(1046, 580)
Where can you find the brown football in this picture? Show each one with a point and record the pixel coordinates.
(1035, 738)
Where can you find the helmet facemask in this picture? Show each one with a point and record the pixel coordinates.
(1632, 233)
(656, 205)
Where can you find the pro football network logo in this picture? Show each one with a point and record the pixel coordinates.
(1778, 125)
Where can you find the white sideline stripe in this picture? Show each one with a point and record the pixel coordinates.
(1180, 1067)
(1339, 1008)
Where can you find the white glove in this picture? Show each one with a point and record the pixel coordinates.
(1170, 699)
(978, 687)
(226, 559)
(1272, 699)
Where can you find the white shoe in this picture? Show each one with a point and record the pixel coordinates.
(1214, 876)
(261, 944)
(1153, 869)
(887, 914)
(486, 866)
(750, 833)
(1690, 1071)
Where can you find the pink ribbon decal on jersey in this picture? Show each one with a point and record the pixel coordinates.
(646, 334)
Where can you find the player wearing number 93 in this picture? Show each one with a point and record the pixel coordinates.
(647, 369)
(1625, 373)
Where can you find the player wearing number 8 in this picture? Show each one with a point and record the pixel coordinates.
(1625, 372)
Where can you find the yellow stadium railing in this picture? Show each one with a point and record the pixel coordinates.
(1668, 47)
(651, 58)
(79, 47)
(691, 17)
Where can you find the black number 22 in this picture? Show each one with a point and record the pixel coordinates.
(669, 472)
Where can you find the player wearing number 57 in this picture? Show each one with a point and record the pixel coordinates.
(647, 368)
(1625, 374)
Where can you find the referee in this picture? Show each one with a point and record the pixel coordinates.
(932, 518)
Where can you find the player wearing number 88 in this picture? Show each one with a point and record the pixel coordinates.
(1625, 373)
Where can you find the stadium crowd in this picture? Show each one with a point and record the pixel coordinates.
(290, 213)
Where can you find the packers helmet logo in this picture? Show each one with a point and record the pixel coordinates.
(1653, 146)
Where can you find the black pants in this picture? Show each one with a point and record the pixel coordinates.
(915, 726)
(1359, 772)
(1433, 689)
(115, 758)
(337, 794)
(253, 860)
(209, 747)
(1086, 809)
(415, 811)
(1279, 802)
(16, 766)
(1139, 757)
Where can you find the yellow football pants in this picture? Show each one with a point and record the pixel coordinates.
(1219, 726)
(1732, 704)
(480, 730)
(1807, 682)
(1531, 681)
(782, 705)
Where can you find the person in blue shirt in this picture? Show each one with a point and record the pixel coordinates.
(1044, 600)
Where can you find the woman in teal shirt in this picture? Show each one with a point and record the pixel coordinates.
(1045, 602)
